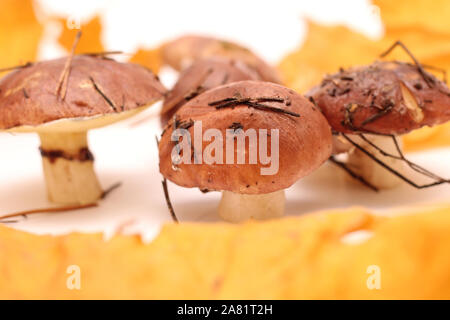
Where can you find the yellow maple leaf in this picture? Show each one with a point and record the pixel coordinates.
(435, 53)
(311, 256)
(426, 137)
(429, 16)
(150, 58)
(20, 32)
(90, 40)
(325, 50)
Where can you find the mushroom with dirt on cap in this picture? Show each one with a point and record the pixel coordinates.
(185, 50)
(64, 98)
(369, 106)
(202, 75)
(275, 120)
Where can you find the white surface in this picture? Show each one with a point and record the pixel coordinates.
(128, 154)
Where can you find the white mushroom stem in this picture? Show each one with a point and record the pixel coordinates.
(69, 168)
(371, 171)
(236, 207)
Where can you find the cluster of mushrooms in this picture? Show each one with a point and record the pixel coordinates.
(357, 112)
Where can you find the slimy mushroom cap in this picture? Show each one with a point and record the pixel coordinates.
(304, 141)
(384, 97)
(202, 75)
(99, 91)
(61, 100)
(183, 51)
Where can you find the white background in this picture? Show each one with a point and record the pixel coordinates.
(271, 28)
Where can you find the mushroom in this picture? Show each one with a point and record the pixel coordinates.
(97, 91)
(288, 138)
(183, 51)
(202, 75)
(368, 106)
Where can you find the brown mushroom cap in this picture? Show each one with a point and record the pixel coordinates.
(202, 75)
(384, 97)
(304, 141)
(183, 51)
(96, 86)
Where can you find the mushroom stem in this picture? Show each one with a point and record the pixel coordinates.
(368, 169)
(236, 207)
(69, 168)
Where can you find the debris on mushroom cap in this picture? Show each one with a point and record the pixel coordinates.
(202, 75)
(411, 103)
(96, 86)
(304, 137)
(183, 51)
(390, 98)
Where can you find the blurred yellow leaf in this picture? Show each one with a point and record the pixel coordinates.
(150, 58)
(311, 256)
(429, 16)
(325, 50)
(20, 32)
(426, 137)
(90, 40)
(428, 47)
